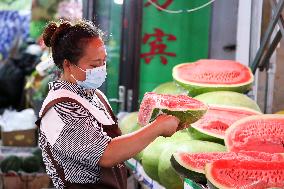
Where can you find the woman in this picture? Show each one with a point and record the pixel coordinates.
(79, 136)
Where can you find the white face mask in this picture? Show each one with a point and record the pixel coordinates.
(95, 77)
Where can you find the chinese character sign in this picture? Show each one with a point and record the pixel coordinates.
(170, 39)
(157, 46)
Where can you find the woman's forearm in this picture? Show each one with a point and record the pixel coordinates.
(124, 147)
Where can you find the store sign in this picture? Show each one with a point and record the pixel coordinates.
(169, 39)
(157, 46)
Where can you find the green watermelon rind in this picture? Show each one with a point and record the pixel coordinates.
(150, 158)
(182, 146)
(151, 154)
(199, 88)
(170, 88)
(228, 98)
(241, 121)
(186, 117)
(197, 135)
(196, 175)
(201, 134)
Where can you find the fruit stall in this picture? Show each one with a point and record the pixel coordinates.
(231, 132)
(229, 142)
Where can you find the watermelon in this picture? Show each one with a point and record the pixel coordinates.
(31, 164)
(228, 98)
(129, 123)
(182, 134)
(170, 88)
(217, 120)
(192, 165)
(257, 133)
(213, 75)
(254, 174)
(152, 152)
(187, 109)
(11, 163)
(167, 175)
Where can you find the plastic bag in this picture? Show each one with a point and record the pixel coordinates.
(12, 120)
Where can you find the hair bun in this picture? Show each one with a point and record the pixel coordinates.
(52, 30)
(48, 33)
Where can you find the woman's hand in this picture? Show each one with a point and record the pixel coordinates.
(167, 124)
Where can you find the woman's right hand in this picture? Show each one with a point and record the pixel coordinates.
(166, 124)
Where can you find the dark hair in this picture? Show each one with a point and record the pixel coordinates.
(68, 41)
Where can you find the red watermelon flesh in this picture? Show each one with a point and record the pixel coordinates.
(214, 72)
(257, 133)
(197, 161)
(251, 174)
(178, 104)
(219, 118)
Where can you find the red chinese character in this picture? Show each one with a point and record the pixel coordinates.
(157, 47)
(164, 6)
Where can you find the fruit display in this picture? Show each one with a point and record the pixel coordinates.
(187, 109)
(213, 75)
(11, 163)
(231, 174)
(167, 175)
(264, 133)
(217, 120)
(29, 161)
(192, 165)
(229, 143)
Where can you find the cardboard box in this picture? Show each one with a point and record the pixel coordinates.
(25, 181)
(23, 138)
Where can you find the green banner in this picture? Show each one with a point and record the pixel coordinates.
(169, 39)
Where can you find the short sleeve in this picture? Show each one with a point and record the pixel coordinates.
(82, 138)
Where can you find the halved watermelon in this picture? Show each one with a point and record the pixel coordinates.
(192, 165)
(252, 174)
(213, 75)
(167, 175)
(187, 109)
(217, 120)
(263, 133)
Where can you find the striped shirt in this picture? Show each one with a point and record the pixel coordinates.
(75, 137)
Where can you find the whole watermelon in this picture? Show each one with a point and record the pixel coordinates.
(31, 164)
(11, 163)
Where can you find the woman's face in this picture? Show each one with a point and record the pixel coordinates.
(94, 56)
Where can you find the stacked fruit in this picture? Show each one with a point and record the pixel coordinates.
(29, 164)
(251, 158)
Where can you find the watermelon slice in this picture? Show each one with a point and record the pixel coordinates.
(187, 109)
(192, 165)
(167, 175)
(213, 75)
(257, 133)
(249, 174)
(218, 119)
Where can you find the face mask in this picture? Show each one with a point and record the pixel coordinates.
(95, 77)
